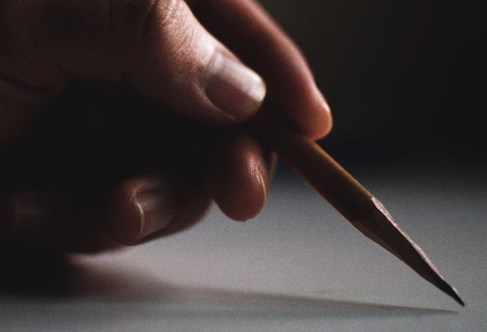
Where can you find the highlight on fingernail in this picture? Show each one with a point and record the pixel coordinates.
(140, 208)
(157, 208)
(233, 87)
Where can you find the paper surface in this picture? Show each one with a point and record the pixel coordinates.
(299, 266)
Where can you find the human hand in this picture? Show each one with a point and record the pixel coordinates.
(158, 49)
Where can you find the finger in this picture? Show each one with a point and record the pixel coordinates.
(239, 177)
(29, 217)
(249, 31)
(183, 66)
(54, 221)
(157, 47)
(24, 89)
(150, 206)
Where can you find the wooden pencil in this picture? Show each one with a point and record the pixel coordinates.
(349, 197)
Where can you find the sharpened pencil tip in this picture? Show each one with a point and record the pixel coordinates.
(451, 291)
(394, 239)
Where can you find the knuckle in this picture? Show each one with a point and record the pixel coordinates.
(173, 31)
(168, 10)
(171, 23)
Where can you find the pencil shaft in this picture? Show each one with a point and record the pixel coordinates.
(351, 199)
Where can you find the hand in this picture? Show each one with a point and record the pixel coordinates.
(70, 182)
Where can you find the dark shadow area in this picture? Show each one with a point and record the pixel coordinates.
(239, 304)
(34, 274)
(51, 276)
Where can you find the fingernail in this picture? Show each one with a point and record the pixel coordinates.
(263, 176)
(156, 208)
(322, 101)
(326, 115)
(258, 169)
(233, 87)
(34, 213)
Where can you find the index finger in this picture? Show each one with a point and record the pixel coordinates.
(245, 27)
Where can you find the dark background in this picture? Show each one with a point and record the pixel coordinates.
(403, 78)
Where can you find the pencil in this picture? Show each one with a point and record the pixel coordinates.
(349, 197)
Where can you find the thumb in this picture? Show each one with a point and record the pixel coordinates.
(180, 65)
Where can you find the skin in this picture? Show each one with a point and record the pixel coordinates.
(106, 135)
